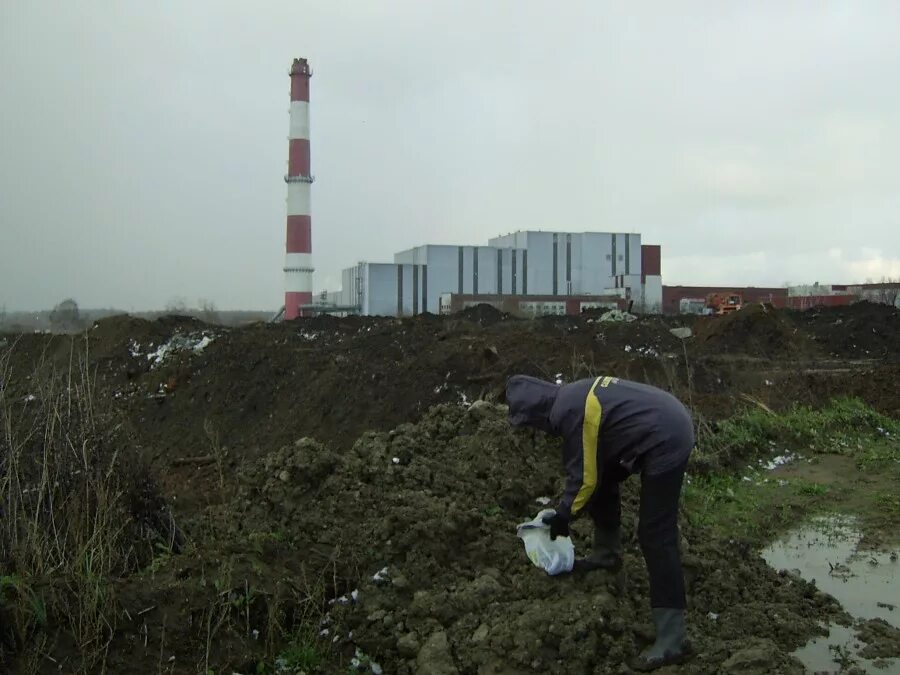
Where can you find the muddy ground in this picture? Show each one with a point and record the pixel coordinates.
(299, 460)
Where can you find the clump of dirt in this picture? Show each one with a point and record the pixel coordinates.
(756, 329)
(428, 511)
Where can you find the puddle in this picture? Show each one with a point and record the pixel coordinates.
(866, 583)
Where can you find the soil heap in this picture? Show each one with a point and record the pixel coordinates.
(428, 513)
(757, 329)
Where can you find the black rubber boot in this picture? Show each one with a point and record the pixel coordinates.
(606, 553)
(671, 645)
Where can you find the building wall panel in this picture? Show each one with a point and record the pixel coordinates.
(408, 303)
(381, 289)
(487, 270)
(443, 273)
(540, 263)
(651, 259)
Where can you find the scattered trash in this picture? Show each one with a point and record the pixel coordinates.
(682, 333)
(361, 661)
(179, 343)
(543, 501)
(134, 348)
(775, 462)
(617, 315)
(381, 576)
(395, 460)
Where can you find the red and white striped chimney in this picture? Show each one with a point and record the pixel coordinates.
(298, 269)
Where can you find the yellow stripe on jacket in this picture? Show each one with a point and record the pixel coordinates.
(590, 432)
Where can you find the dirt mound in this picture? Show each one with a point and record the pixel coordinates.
(863, 330)
(755, 330)
(428, 512)
(482, 314)
(262, 386)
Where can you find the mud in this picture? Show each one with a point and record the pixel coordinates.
(827, 553)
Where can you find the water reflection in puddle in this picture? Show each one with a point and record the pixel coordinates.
(866, 583)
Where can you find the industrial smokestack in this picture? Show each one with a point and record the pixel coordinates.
(298, 269)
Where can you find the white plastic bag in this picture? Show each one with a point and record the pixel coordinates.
(554, 557)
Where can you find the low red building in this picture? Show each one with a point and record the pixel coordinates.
(532, 305)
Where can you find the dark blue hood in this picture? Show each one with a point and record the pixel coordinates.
(530, 401)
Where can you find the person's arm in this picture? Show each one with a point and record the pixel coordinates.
(580, 429)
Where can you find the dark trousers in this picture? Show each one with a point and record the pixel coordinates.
(657, 527)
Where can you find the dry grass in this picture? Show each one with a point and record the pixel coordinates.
(71, 515)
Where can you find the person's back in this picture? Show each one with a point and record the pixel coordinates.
(636, 421)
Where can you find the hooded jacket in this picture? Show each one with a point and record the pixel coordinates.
(602, 422)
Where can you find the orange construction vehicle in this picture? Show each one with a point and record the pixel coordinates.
(723, 303)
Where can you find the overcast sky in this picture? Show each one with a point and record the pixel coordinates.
(143, 144)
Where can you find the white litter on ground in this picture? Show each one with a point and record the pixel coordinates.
(775, 462)
(178, 343)
(203, 344)
(617, 315)
(543, 501)
(362, 661)
(647, 351)
(381, 575)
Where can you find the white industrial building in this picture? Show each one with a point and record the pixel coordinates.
(526, 263)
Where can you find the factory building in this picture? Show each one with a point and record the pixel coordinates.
(598, 268)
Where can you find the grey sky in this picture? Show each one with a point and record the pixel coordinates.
(142, 145)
